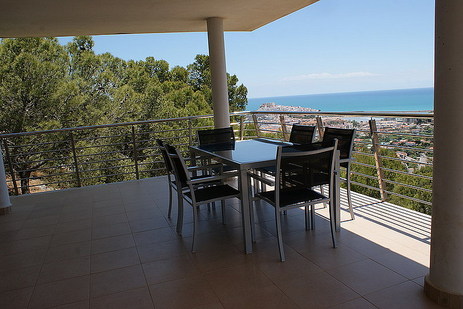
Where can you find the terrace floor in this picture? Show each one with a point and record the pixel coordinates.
(112, 246)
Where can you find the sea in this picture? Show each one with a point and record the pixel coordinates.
(418, 99)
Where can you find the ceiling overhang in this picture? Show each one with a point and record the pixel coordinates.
(40, 18)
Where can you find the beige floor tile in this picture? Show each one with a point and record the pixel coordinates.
(114, 259)
(407, 295)
(318, 291)
(239, 280)
(99, 220)
(16, 299)
(23, 259)
(358, 303)
(366, 276)
(65, 269)
(138, 298)
(264, 297)
(18, 278)
(148, 224)
(128, 224)
(144, 214)
(402, 265)
(103, 231)
(69, 251)
(74, 225)
(154, 236)
(83, 304)
(43, 221)
(318, 249)
(78, 214)
(117, 280)
(112, 243)
(186, 293)
(225, 256)
(71, 237)
(110, 210)
(27, 233)
(25, 245)
(419, 280)
(160, 251)
(170, 269)
(209, 306)
(295, 266)
(60, 292)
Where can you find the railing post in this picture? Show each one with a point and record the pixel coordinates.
(284, 129)
(241, 127)
(135, 153)
(74, 154)
(378, 161)
(320, 127)
(10, 167)
(190, 133)
(256, 124)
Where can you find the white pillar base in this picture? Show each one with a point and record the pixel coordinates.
(5, 202)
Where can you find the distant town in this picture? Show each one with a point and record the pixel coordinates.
(411, 138)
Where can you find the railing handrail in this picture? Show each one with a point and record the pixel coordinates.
(411, 114)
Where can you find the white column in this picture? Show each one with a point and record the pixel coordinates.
(218, 72)
(4, 197)
(444, 283)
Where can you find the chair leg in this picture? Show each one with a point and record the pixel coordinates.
(195, 227)
(170, 201)
(312, 217)
(222, 204)
(332, 223)
(252, 189)
(349, 199)
(180, 213)
(307, 220)
(279, 237)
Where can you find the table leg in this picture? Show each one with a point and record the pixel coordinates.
(245, 210)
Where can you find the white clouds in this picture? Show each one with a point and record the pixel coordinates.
(329, 76)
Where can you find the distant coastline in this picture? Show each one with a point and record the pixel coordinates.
(418, 99)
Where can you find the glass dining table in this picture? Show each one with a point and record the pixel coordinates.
(250, 154)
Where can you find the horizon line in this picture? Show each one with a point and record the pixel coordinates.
(343, 92)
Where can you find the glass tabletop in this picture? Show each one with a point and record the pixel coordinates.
(249, 151)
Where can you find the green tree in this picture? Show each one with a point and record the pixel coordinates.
(32, 71)
(200, 80)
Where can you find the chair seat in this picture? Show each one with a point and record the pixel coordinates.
(291, 196)
(213, 193)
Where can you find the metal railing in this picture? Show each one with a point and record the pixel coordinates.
(393, 150)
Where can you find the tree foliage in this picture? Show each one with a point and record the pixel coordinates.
(45, 85)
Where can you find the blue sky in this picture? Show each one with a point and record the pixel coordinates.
(330, 46)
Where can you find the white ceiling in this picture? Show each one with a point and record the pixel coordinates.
(26, 18)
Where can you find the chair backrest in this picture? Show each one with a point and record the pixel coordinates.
(216, 137)
(182, 176)
(165, 157)
(300, 169)
(301, 134)
(345, 139)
